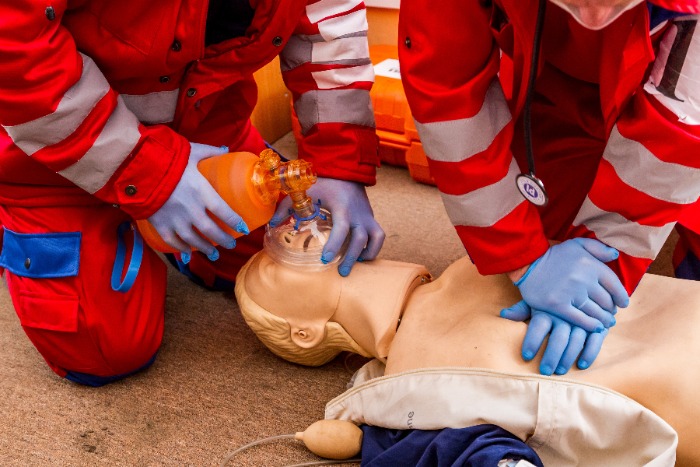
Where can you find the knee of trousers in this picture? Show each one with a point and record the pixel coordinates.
(61, 290)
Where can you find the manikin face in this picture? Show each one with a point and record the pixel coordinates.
(596, 14)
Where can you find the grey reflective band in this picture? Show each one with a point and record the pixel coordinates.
(457, 140)
(72, 110)
(155, 107)
(641, 169)
(334, 106)
(116, 141)
(485, 206)
(631, 238)
(349, 50)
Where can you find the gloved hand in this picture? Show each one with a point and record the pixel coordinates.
(566, 343)
(186, 210)
(571, 281)
(352, 216)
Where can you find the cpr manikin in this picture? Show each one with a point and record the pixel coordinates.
(443, 355)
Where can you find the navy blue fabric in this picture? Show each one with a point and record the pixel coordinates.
(97, 381)
(41, 255)
(477, 446)
(658, 15)
(220, 284)
(689, 268)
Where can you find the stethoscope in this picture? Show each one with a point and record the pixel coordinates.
(528, 184)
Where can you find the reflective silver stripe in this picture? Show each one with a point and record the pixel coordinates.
(631, 238)
(350, 50)
(156, 107)
(343, 25)
(297, 51)
(74, 107)
(341, 49)
(641, 169)
(339, 77)
(116, 141)
(457, 140)
(344, 106)
(325, 8)
(485, 206)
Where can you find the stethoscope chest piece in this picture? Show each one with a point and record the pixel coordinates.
(532, 189)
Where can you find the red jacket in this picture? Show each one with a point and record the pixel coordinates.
(465, 67)
(103, 97)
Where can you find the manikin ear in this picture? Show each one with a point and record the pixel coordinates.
(308, 336)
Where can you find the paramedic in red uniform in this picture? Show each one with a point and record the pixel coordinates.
(106, 108)
(613, 120)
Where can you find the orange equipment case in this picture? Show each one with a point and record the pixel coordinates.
(399, 143)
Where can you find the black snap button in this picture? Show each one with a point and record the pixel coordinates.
(50, 13)
(164, 79)
(191, 92)
(407, 42)
(176, 45)
(130, 190)
(277, 41)
(27, 263)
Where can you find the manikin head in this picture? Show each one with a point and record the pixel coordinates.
(308, 316)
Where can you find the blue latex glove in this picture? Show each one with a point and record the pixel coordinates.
(571, 281)
(566, 343)
(186, 210)
(352, 217)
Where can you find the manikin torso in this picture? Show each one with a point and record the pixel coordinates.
(649, 356)
(453, 322)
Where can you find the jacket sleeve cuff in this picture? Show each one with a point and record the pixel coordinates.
(511, 243)
(150, 174)
(342, 151)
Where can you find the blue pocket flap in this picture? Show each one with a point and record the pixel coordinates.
(41, 255)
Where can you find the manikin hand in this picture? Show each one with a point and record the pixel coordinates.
(566, 343)
(571, 281)
(352, 217)
(188, 207)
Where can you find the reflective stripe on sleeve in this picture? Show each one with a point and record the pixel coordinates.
(325, 8)
(74, 107)
(641, 169)
(486, 206)
(343, 25)
(114, 144)
(349, 51)
(629, 237)
(152, 108)
(339, 106)
(457, 140)
(339, 77)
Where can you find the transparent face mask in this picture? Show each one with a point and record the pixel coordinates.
(594, 14)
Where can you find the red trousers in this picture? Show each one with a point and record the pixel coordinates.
(67, 306)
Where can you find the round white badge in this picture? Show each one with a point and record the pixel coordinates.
(532, 189)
